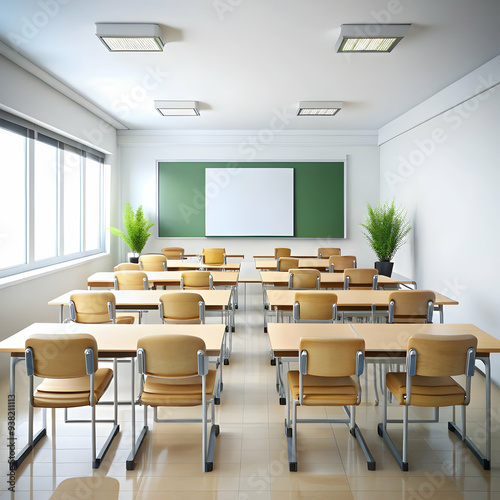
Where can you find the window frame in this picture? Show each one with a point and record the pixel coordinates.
(34, 133)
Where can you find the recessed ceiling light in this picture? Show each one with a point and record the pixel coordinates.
(177, 108)
(319, 108)
(370, 37)
(130, 37)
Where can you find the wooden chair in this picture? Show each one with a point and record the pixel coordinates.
(411, 306)
(214, 256)
(175, 253)
(304, 278)
(339, 263)
(360, 279)
(131, 280)
(197, 280)
(127, 266)
(95, 307)
(282, 252)
(153, 262)
(328, 375)
(182, 308)
(286, 263)
(325, 253)
(174, 372)
(315, 307)
(431, 362)
(68, 365)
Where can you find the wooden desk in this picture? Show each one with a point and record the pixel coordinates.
(313, 263)
(145, 300)
(328, 280)
(182, 265)
(162, 278)
(271, 257)
(349, 300)
(115, 341)
(388, 341)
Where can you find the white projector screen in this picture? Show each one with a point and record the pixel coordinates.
(249, 202)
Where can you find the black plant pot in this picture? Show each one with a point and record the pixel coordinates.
(384, 267)
(133, 258)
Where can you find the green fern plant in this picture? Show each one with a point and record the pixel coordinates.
(386, 229)
(136, 228)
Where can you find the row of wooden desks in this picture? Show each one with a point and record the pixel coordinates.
(281, 300)
(385, 342)
(114, 341)
(147, 300)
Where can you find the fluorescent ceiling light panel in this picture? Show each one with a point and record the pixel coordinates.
(370, 37)
(177, 108)
(319, 108)
(132, 37)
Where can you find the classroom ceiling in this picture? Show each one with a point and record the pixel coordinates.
(249, 62)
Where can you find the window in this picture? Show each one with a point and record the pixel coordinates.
(51, 198)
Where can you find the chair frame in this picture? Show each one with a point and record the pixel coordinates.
(374, 282)
(320, 255)
(331, 269)
(97, 458)
(208, 439)
(411, 364)
(291, 430)
(296, 315)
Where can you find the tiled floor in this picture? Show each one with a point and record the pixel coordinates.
(251, 453)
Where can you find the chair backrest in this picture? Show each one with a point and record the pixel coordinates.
(176, 253)
(339, 263)
(196, 280)
(92, 307)
(329, 357)
(153, 262)
(304, 278)
(282, 252)
(360, 279)
(170, 355)
(315, 306)
(60, 356)
(411, 306)
(182, 307)
(286, 263)
(214, 256)
(131, 280)
(127, 266)
(325, 253)
(442, 355)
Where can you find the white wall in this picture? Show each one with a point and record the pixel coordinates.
(25, 301)
(139, 152)
(445, 169)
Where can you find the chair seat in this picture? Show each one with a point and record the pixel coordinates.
(177, 392)
(324, 391)
(125, 320)
(71, 392)
(426, 391)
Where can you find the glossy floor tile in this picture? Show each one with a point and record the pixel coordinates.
(251, 460)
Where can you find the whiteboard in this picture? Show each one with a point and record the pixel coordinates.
(249, 202)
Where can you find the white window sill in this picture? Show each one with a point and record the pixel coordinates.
(37, 273)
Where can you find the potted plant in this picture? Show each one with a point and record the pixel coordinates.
(387, 230)
(135, 233)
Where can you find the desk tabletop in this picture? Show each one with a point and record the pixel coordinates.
(178, 265)
(106, 278)
(117, 340)
(380, 338)
(328, 280)
(313, 263)
(149, 299)
(284, 299)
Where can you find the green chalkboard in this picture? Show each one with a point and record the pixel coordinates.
(319, 189)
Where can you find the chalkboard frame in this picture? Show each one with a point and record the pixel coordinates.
(320, 196)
